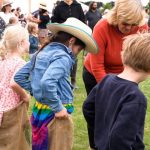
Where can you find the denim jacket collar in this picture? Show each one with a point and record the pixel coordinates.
(65, 48)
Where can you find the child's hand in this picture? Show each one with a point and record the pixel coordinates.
(25, 98)
(62, 114)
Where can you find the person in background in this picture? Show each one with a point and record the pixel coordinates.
(6, 11)
(33, 38)
(2, 27)
(116, 107)
(93, 15)
(42, 18)
(70, 8)
(46, 76)
(13, 21)
(55, 4)
(18, 12)
(2, 24)
(127, 17)
(22, 20)
(14, 121)
(13, 10)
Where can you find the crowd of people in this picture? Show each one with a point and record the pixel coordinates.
(117, 60)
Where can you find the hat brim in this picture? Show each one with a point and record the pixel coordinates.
(42, 7)
(91, 45)
(7, 4)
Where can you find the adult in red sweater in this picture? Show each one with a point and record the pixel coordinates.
(127, 17)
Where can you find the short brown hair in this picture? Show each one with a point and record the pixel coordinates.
(136, 52)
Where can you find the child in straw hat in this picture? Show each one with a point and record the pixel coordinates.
(13, 99)
(116, 107)
(46, 76)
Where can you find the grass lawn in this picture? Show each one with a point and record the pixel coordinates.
(80, 132)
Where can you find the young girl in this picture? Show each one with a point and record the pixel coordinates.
(13, 111)
(46, 76)
(33, 38)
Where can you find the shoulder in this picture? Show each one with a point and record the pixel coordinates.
(133, 95)
(88, 12)
(143, 28)
(102, 27)
(76, 3)
(102, 24)
(57, 51)
(105, 80)
(101, 30)
(60, 5)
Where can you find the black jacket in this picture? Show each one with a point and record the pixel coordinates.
(64, 11)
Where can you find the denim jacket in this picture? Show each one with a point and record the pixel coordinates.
(46, 76)
(34, 42)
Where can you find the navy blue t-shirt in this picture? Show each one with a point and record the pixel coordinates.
(116, 109)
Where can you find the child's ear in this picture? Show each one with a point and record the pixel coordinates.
(72, 41)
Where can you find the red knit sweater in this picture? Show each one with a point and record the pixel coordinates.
(108, 59)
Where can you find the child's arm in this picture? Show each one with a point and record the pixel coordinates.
(22, 77)
(125, 133)
(16, 88)
(49, 83)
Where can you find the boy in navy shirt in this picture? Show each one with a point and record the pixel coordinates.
(116, 107)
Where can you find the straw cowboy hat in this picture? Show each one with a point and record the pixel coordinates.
(78, 29)
(43, 5)
(6, 2)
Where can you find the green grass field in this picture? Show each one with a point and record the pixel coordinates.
(80, 131)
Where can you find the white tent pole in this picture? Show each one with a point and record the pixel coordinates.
(29, 2)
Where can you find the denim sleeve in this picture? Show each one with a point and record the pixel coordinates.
(22, 77)
(50, 80)
(129, 122)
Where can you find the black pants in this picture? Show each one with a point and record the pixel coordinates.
(89, 82)
(74, 72)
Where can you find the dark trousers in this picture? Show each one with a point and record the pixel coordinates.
(89, 82)
(73, 73)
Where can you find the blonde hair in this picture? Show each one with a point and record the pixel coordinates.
(136, 52)
(13, 20)
(31, 26)
(13, 36)
(129, 11)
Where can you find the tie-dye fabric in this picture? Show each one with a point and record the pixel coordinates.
(41, 117)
